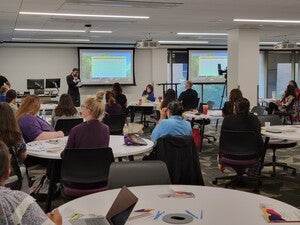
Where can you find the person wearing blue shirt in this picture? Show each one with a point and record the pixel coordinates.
(148, 93)
(4, 86)
(174, 125)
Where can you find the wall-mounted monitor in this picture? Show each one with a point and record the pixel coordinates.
(53, 83)
(106, 66)
(35, 84)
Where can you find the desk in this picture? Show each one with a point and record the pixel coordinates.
(51, 149)
(219, 205)
(287, 132)
(134, 106)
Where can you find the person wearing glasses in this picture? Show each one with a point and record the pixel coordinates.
(92, 133)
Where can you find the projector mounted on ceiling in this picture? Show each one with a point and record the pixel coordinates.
(285, 45)
(147, 44)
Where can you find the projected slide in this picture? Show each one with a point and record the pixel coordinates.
(204, 64)
(106, 66)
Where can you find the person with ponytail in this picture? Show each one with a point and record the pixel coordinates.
(111, 107)
(92, 133)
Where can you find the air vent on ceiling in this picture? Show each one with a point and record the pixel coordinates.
(127, 3)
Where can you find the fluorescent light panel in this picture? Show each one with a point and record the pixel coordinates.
(183, 42)
(266, 21)
(48, 39)
(83, 15)
(63, 31)
(267, 43)
(204, 34)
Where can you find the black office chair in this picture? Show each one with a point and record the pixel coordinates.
(137, 173)
(85, 171)
(258, 110)
(66, 125)
(240, 150)
(181, 157)
(275, 143)
(115, 123)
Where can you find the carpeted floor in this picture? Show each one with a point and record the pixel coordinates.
(283, 187)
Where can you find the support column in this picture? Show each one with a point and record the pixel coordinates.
(243, 62)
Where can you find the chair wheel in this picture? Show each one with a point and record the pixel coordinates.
(294, 173)
(215, 182)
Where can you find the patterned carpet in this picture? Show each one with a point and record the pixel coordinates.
(283, 187)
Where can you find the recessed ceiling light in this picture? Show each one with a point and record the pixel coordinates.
(266, 21)
(48, 39)
(83, 15)
(50, 30)
(198, 34)
(267, 43)
(101, 31)
(183, 42)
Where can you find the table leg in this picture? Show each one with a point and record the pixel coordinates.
(132, 114)
(263, 154)
(130, 157)
(52, 163)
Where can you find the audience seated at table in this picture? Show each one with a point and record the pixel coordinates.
(92, 133)
(243, 120)
(120, 98)
(285, 104)
(230, 106)
(17, 207)
(148, 93)
(64, 110)
(111, 107)
(11, 99)
(10, 133)
(170, 122)
(31, 125)
(169, 96)
(189, 97)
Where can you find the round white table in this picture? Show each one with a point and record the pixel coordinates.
(211, 114)
(51, 149)
(285, 132)
(218, 205)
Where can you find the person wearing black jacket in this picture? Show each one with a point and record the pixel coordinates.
(73, 90)
(189, 97)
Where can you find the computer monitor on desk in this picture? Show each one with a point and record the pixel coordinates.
(35, 84)
(53, 83)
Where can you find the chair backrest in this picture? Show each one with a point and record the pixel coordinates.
(137, 173)
(115, 123)
(258, 110)
(66, 125)
(240, 143)
(86, 165)
(181, 156)
(273, 119)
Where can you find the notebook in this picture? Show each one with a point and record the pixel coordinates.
(118, 212)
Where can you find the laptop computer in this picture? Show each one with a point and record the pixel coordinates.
(118, 212)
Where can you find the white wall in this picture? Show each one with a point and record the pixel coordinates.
(21, 63)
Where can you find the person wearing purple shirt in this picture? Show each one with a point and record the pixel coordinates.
(111, 107)
(92, 133)
(33, 127)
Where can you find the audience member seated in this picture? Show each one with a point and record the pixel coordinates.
(297, 90)
(11, 99)
(17, 207)
(243, 120)
(189, 97)
(230, 106)
(148, 94)
(120, 98)
(285, 104)
(169, 96)
(4, 86)
(111, 107)
(11, 135)
(174, 125)
(32, 126)
(64, 110)
(92, 133)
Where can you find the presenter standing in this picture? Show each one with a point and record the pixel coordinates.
(73, 90)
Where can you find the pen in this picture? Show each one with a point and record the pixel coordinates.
(193, 215)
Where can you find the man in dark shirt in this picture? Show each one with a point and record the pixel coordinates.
(73, 90)
(189, 97)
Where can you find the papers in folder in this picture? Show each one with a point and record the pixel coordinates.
(278, 215)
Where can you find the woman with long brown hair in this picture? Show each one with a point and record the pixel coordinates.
(32, 126)
(230, 106)
(65, 109)
(111, 106)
